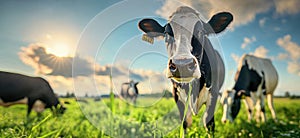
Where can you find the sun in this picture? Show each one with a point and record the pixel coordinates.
(59, 50)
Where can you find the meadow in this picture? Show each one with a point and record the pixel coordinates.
(152, 118)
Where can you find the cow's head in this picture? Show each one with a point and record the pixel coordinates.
(133, 84)
(231, 101)
(55, 105)
(185, 36)
(59, 109)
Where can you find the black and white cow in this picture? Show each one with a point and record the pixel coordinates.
(194, 66)
(130, 91)
(33, 91)
(255, 78)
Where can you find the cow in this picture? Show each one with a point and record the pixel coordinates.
(256, 78)
(33, 91)
(130, 91)
(194, 67)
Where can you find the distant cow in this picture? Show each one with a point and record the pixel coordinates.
(255, 78)
(130, 91)
(194, 66)
(33, 91)
(82, 100)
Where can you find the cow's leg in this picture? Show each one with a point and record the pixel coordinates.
(134, 99)
(271, 105)
(258, 108)
(208, 118)
(262, 105)
(249, 102)
(249, 106)
(30, 105)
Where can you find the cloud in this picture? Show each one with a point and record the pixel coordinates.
(87, 73)
(294, 68)
(36, 56)
(287, 6)
(292, 48)
(247, 41)
(261, 51)
(262, 22)
(292, 54)
(277, 29)
(282, 56)
(235, 57)
(244, 11)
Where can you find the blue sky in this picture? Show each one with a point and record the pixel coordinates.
(266, 28)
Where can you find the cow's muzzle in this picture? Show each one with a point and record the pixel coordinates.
(183, 70)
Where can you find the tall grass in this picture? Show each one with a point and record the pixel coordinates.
(74, 123)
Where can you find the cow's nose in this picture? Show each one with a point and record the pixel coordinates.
(182, 67)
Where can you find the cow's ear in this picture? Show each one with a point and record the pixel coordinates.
(220, 21)
(151, 27)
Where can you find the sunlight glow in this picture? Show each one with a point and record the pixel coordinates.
(59, 49)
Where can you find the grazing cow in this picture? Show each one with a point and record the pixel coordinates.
(194, 66)
(255, 78)
(130, 90)
(33, 91)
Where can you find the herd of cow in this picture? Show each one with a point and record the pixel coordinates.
(195, 69)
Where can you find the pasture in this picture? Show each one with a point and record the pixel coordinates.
(141, 121)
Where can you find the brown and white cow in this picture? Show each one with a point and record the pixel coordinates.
(255, 78)
(33, 91)
(194, 66)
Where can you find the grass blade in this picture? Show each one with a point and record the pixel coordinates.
(185, 111)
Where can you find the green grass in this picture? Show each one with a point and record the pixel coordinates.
(153, 118)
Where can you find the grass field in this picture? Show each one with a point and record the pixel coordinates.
(153, 119)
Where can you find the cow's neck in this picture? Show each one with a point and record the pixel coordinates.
(205, 70)
(50, 101)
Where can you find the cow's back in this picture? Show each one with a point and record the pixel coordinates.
(262, 65)
(16, 86)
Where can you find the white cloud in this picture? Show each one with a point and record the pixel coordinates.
(236, 58)
(244, 11)
(287, 6)
(292, 54)
(282, 56)
(261, 51)
(294, 68)
(277, 29)
(247, 41)
(262, 22)
(289, 46)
